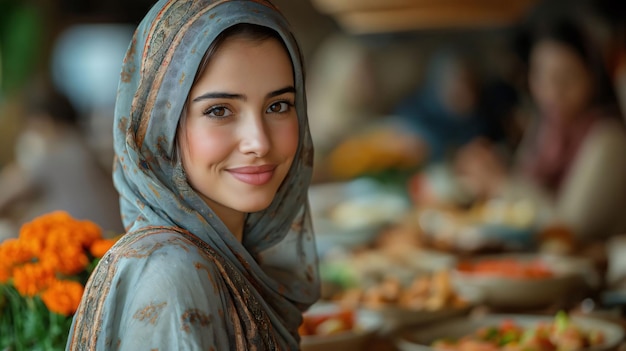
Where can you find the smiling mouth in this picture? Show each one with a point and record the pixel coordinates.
(254, 175)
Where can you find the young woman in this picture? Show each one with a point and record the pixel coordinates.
(572, 157)
(213, 163)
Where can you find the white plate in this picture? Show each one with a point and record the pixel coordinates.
(368, 323)
(420, 339)
(398, 318)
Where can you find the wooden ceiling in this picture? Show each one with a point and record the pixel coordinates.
(380, 16)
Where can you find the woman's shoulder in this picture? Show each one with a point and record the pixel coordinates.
(169, 247)
(150, 280)
(608, 131)
(604, 145)
(156, 257)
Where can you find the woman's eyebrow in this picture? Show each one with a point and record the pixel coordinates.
(289, 89)
(224, 95)
(219, 95)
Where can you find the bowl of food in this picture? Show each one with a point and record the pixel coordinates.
(524, 280)
(331, 326)
(514, 333)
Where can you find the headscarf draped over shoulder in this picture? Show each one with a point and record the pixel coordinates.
(270, 277)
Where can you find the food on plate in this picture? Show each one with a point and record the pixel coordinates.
(425, 292)
(494, 224)
(517, 213)
(368, 210)
(560, 334)
(396, 273)
(328, 323)
(508, 267)
(362, 267)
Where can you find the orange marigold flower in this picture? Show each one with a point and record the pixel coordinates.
(50, 245)
(15, 251)
(51, 259)
(90, 232)
(100, 247)
(59, 228)
(35, 247)
(63, 296)
(31, 278)
(70, 260)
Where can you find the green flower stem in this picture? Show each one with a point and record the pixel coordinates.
(27, 325)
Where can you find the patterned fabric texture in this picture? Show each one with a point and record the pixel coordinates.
(179, 280)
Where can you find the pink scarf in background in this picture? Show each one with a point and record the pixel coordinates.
(555, 148)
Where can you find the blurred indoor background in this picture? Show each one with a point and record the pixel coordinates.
(367, 62)
(443, 130)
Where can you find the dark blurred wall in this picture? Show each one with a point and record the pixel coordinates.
(310, 27)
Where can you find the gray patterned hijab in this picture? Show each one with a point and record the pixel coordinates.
(277, 260)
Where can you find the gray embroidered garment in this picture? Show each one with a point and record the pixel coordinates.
(179, 280)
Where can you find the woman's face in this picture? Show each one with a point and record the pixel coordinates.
(559, 81)
(459, 91)
(241, 130)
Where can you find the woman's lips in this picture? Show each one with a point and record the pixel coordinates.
(254, 175)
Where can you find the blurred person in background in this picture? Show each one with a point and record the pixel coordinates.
(54, 168)
(455, 105)
(572, 157)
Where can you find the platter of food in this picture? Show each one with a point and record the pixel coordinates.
(524, 280)
(426, 298)
(407, 287)
(514, 333)
(329, 326)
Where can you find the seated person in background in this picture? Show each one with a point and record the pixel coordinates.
(55, 170)
(453, 106)
(572, 156)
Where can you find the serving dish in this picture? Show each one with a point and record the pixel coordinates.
(406, 286)
(398, 317)
(366, 325)
(524, 281)
(422, 339)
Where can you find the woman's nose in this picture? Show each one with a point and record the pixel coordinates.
(254, 136)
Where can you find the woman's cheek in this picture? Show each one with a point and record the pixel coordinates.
(211, 145)
(289, 135)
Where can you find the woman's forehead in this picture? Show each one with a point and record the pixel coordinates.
(241, 56)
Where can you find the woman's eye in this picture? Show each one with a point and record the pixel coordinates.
(217, 111)
(279, 107)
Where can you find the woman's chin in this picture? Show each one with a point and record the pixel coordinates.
(254, 205)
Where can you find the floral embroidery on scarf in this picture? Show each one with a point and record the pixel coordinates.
(194, 316)
(150, 312)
